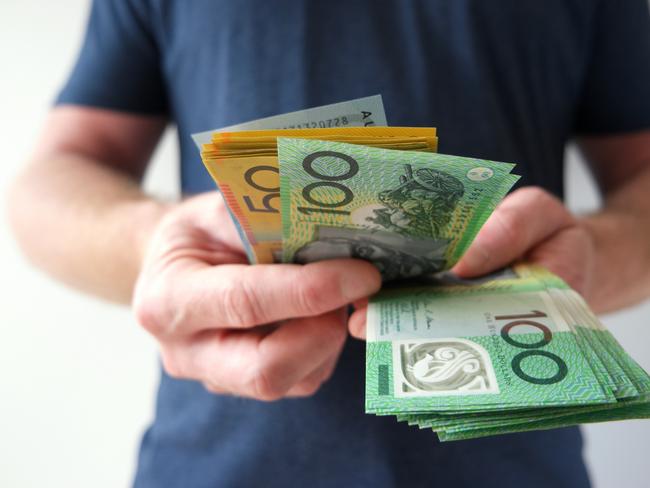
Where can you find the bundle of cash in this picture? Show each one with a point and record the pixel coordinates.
(245, 166)
(251, 187)
(514, 351)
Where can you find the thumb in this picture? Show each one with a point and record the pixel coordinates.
(523, 220)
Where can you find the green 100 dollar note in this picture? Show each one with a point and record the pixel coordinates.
(474, 349)
(409, 213)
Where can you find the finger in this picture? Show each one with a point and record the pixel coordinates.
(200, 213)
(569, 254)
(241, 296)
(312, 382)
(257, 363)
(357, 323)
(292, 351)
(526, 217)
(215, 389)
(362, 302)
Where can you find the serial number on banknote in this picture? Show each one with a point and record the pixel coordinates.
(343, 121)
(335, 122)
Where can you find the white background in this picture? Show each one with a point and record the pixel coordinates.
(77, 376)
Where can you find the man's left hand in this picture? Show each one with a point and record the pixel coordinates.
(532, 225)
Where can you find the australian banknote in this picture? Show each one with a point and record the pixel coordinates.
(408, 212)
(515, 351)
(362, 112)
(245, 167)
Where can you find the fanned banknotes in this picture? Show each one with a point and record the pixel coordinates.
(245, 166)
(362, 112)
(410, 213)
(511, 352)
(525, 353)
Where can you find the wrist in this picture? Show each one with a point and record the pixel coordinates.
(621, 273)
(146, 215)
(136, 221)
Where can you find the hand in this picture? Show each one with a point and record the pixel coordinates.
(264, 331)
(529, 224)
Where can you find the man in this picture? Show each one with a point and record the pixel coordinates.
(243, 403)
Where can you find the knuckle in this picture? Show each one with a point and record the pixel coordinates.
(333, 336)
(309, 387)
(156, 311)
(265, 385)
(149, 310)
(309, 293)
(267, 390)
(212, 388)
(512, 226)
(171, 364)
(239, 304)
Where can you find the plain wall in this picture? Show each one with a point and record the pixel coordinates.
(77, 375)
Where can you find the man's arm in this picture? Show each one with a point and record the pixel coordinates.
(621, 230)
(77, 209)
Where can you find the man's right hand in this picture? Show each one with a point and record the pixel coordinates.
(264, 331)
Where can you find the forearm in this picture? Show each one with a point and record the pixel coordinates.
(621, 236)
(82, 222)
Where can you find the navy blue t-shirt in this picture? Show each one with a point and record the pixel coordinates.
(507, 80)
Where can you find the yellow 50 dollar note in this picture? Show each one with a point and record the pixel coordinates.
(245, 167)
(251, 188)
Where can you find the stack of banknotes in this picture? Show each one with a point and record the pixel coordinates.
(514, 351)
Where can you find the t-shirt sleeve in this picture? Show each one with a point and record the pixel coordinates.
(119, 64)
(616, 91)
